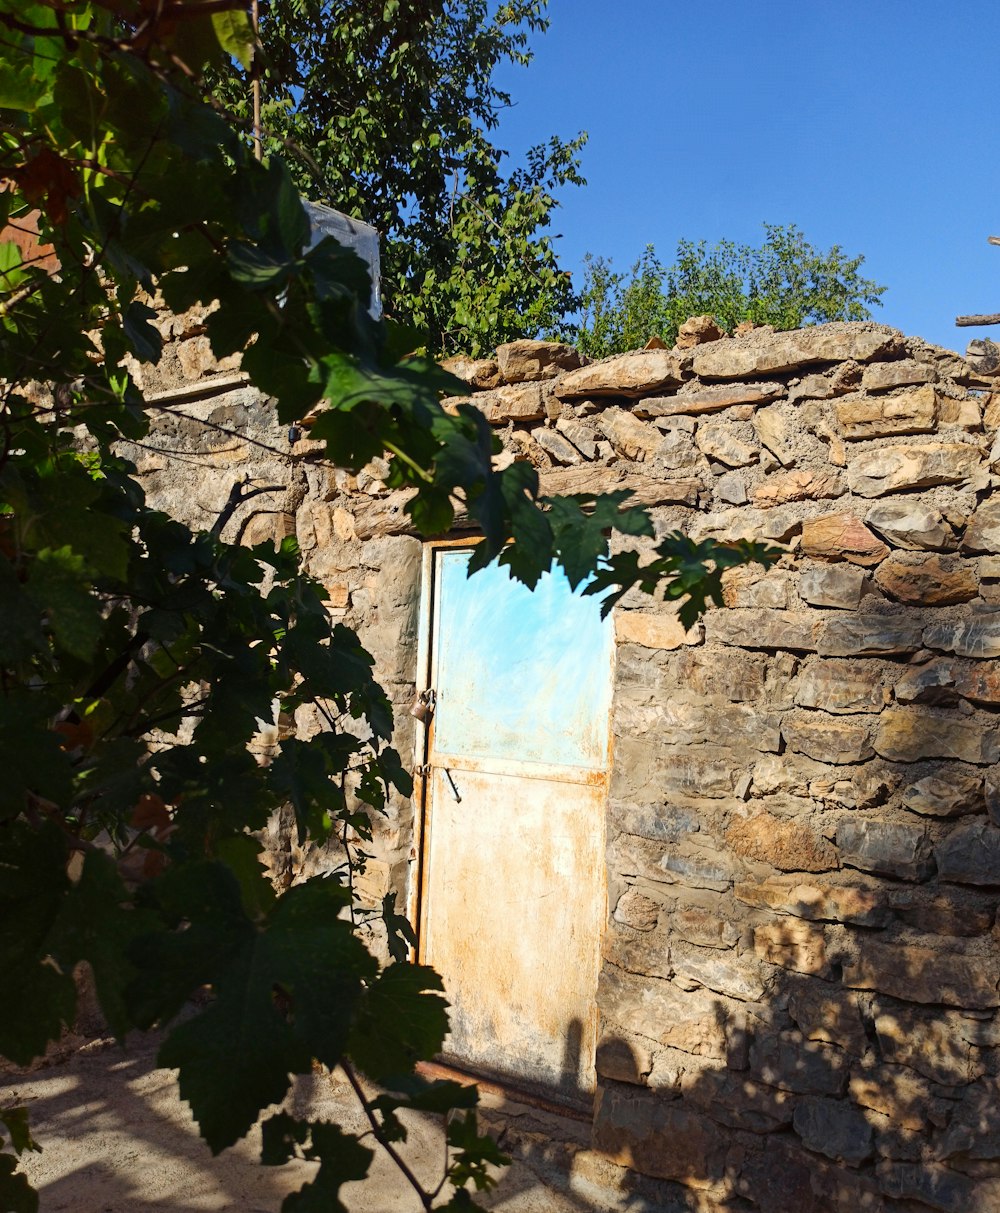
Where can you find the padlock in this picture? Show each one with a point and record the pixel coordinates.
(423, 706)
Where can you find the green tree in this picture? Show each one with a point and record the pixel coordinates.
(119, 622)
(391, 109)
(786, 282)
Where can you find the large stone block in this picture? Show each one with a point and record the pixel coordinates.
(864, 907)
(644, 490)
(763, 629)
(775, 431)
(947, 678)
(895, 1092)
(888, 469)
(697, 330)
(914, 973)
(703, 771)
(649, 828)
(869, 636)
(638, 911)
(884, 847)
(954, 792)
(520, 402)
(699, 867)
(792, 944)
(928, 580)
(775, 353)
(658, 1137)
(695, 398)
(703, 927)
(483, 373)
(932, 682)
(737, 1101)
(912, 525)
(786, 845)
(970, 854)
(965, 638)
(913, 412)
(780, 1179)
(856, 787)
(676, 452)
(979, 682)
(964, 412)
(631, 438)
(556, 446)
(731, 673)
(730, 443)
(883, 376)
(655, 630)
(826, 738)
(931, 1043)
(722, 971)
(691, 721)
(527, 361)
(749, 587)
(940, 910)
(644, 953)
(833, 1128)
(826, 1012)
(974, 1131)
(789, 773)
(842, 537)
(983, 531)
(635, 374)
(807, 484)
(939, 1188)
(841, 686)
(909, 735)
(582, 435)
(789, 1061)
(690, 1020)
(840, 586)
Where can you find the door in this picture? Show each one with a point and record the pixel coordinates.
(513, 895)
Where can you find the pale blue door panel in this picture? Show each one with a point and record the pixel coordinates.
(521, 675)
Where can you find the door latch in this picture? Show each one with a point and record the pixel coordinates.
(451, 783)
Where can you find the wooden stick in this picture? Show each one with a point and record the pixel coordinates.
(258, 145)
(968, 321)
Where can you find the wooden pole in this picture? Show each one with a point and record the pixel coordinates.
(965, 322)
(258, 145)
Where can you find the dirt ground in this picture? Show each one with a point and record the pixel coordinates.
(116, 1138)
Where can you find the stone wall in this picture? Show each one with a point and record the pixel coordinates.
(800, 983)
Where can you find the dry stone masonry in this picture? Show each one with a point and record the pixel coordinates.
(799, 995)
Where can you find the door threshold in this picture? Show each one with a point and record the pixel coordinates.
(507, 1091)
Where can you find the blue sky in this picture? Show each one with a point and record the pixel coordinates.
(873, 125)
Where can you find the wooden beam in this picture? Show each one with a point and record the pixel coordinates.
(968, 321)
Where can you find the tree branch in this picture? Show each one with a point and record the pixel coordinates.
(425, 1198)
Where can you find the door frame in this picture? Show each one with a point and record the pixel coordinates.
(422, 734)
(418, 891)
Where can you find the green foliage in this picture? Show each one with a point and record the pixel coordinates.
(690, 572)
(786, 282)
(16, 1194)
(388, 110)
(121, 624)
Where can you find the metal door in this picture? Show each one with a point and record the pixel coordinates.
(513, 894)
